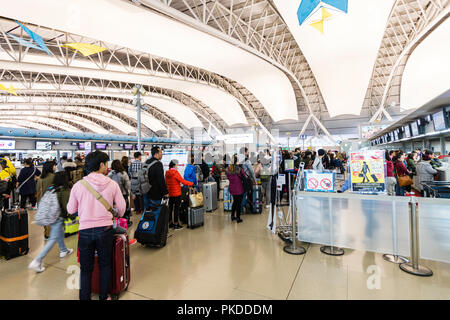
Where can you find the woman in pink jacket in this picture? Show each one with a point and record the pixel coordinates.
(95, 231)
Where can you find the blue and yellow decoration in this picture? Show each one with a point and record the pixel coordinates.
(308, 8)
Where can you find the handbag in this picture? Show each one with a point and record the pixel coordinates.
(196, 200)
(117, 229)
(404, 181)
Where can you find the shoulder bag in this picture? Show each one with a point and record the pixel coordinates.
(98, 196)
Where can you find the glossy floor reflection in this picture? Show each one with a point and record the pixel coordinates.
(225, 260)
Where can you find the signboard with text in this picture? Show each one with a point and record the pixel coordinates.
(367, 171)
(319, 181)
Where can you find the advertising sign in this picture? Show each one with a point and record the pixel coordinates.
(43, 145)
(87, 148)
(7, 144)
(367, 170)
(280, 181)
(319, 181)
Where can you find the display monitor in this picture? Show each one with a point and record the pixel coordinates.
(43, 145)
(142, 146)
(395, 135)
(127, 146)
(407, 131)
(100, 146)
(414, 129)
(439, 121)
(74, 144)
(80, 145)
(7, 144)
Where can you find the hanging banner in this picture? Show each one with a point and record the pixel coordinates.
(367, 170)
(319, 181)
(87, 148)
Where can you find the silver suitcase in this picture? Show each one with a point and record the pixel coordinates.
(196, 217)
(210, 196)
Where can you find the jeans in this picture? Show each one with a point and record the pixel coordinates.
(174, 206)
(155, 203)
(390, 185)
(266, 191)
(127, 213)
(243, 201)
(145, 201)
(56, 236)
(90, 240)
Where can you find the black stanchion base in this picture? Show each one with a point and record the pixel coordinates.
(297, 250)
(420, 271)
(395, 259)
(332, 251)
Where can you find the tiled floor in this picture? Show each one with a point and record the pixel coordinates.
(225, 260)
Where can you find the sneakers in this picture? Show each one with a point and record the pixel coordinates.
(177, 227)
(65, 253)
(239, 220)
(132, 241)
(233, 218)
(171, 225)
(36, 266)
(268, 206)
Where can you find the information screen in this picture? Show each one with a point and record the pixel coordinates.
(100, 146)
(395, 135)
(80, 145)
(439, 121)
(407, 131)
(43, 145)
(415, 129)
(128, 147)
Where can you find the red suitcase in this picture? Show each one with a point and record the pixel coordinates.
(120, 268)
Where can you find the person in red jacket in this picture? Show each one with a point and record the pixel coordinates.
(173, 180)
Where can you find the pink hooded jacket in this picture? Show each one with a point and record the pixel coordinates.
(91, 212)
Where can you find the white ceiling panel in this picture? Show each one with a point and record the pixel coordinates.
(427, 73)
(342, 58)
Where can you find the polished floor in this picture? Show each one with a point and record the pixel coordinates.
(225, 260)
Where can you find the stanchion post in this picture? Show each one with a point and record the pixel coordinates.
(395, 258)
(331, 250)
(413, 267)
(293, 248)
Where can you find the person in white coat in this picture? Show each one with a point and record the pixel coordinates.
(120, 176)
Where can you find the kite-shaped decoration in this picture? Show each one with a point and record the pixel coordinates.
(86, 49)
(40, 45)
(11, 89)
(318, 25)
(308, 7)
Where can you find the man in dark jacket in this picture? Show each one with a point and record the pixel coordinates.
(158, 191)
(27, 183)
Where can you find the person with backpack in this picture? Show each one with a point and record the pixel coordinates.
(158, 189)
(96, 231)
(26, 183)
(119, 175)
(133, 170)
(248, 181)
(55, 199)
(44, 182)
(173, 180)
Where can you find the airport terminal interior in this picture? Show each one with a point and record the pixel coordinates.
(225, 150)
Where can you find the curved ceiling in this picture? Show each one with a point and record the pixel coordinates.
(215, 98)
(19, 122)
(167, 38)
(427, 73)
(342, 58)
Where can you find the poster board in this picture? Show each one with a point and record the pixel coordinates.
(367, 169)
(175, 154)
(319, 181)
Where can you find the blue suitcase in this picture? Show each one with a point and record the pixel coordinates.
(227, 199)
(153, 227)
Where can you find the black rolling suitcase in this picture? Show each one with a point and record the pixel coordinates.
(153, 227)
(14, 233)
